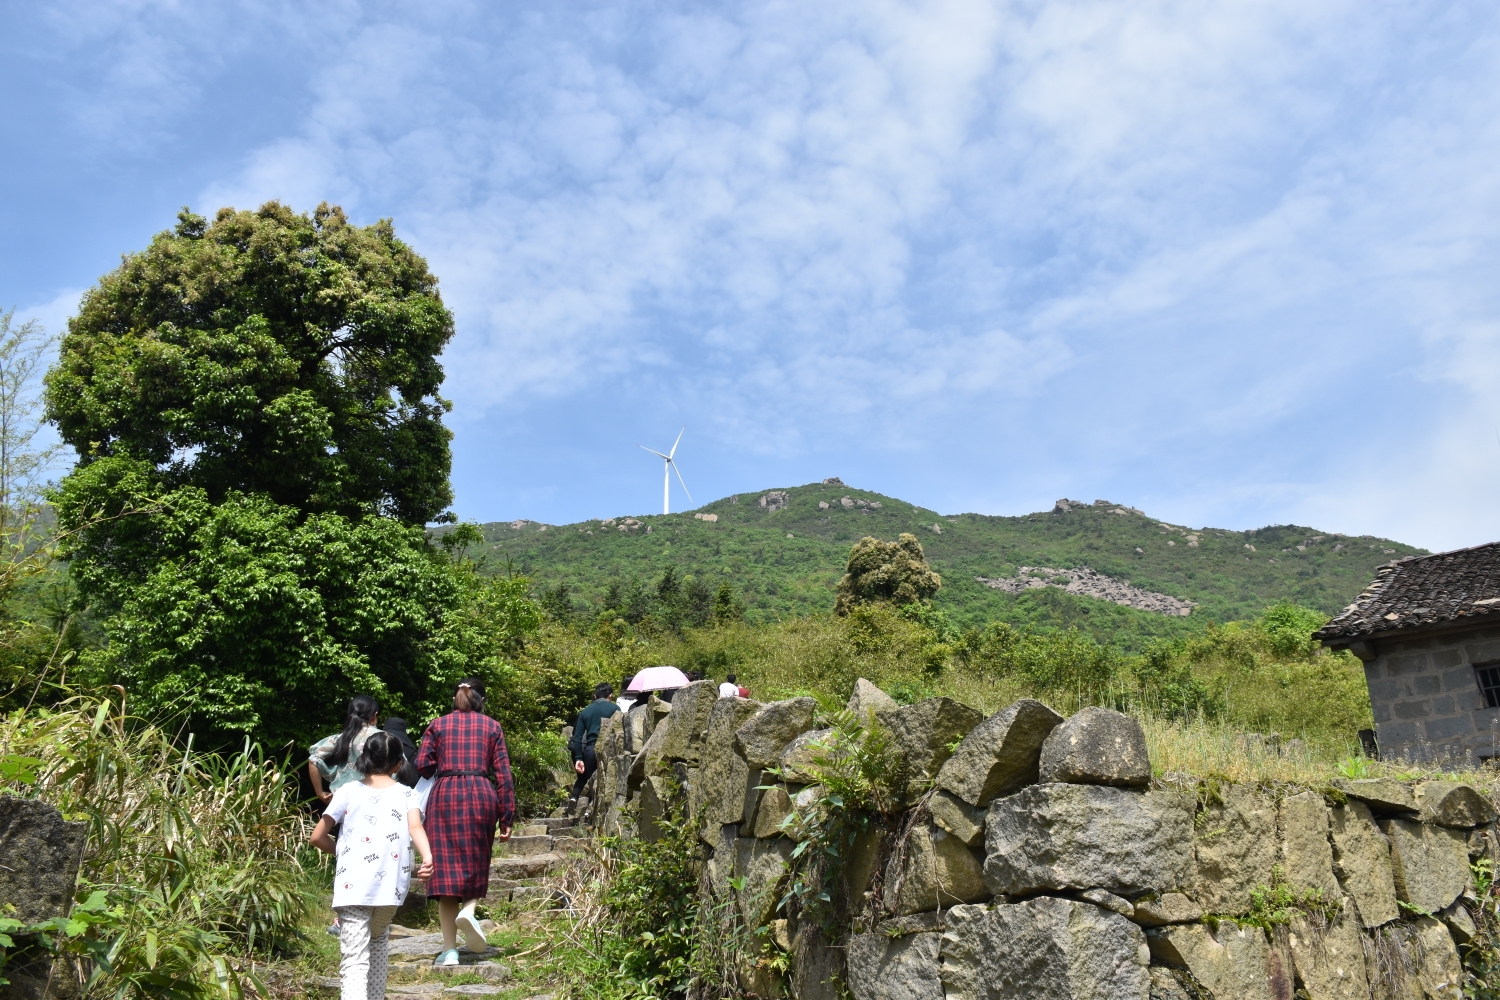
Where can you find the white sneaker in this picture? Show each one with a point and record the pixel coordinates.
(473, 937)
(447, 958)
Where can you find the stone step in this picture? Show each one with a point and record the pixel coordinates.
(523, 847)
(556, 824)
(530, 866)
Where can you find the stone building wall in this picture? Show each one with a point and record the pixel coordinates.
(1037, 857)
(1426, 697)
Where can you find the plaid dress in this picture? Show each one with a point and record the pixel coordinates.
(463, 809)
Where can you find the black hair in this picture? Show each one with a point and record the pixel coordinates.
(382, 754)
(730, 679)
(603, 690)
(362, 708)
(469, 695)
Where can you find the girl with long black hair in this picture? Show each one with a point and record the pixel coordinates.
(333, 761)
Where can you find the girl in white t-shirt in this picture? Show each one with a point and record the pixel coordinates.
(379, 820)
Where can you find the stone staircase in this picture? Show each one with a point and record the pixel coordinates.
(536, 849)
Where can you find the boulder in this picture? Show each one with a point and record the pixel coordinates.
(656, 712)
(648, 759)
(817, 965)
(1235, 847)
(1382, 795)
(762, 738)
(1429, 864)
(656, 805)
(932, 870)
(721, 862)
(957, 817)
(633, 728)
(1096, 746)
(1166, 984)
(687, 723)
(755, 787)
(1306, 855)
(775, 806)
(763, 866)
(1362, 862)
(1000, 756)
(859, 862)
(1108, 900)
(869, 698)
(1060, 836)
(1050, 947)
(39, 857)
(923, 733)
(797, 759)
(1166, 908)
(895, 968)
(1234, 963)
(1452, 803)
(1330, 961)
(725, 774)
(1417, 961)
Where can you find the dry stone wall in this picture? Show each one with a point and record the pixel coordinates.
(1036, 857)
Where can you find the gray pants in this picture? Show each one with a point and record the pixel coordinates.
(363, 937)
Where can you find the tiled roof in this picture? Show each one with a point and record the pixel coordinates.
(1422, 592)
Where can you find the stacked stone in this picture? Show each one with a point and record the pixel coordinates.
(1036, 859)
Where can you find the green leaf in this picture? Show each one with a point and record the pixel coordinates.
(151, 948)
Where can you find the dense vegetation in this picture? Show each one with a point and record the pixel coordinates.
(787, 561)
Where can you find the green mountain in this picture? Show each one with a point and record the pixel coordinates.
(784, 551)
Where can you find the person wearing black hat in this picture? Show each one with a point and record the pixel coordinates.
(396, 726)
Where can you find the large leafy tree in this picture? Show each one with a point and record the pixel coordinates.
(886, 573)
(254, 407)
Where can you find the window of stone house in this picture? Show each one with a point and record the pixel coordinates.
(1488, 675)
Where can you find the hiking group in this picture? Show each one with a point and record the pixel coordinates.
(384, 796)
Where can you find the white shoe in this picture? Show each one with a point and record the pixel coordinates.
(473, 937)
(446, 959)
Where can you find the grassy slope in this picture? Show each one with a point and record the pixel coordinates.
(779, 575)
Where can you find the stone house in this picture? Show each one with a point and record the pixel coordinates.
(1428, 631)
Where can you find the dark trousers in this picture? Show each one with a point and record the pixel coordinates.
(590, 765)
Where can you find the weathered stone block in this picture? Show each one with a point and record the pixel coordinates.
(1330, 961)
(721, 862)
(656, 803)
(763, 866)
(1061, 836)
(932, 870)
(687, 724)
(633, 728)
(923, 734)
(1417, 961)
(1043, 947)
(39, 857)
(817, 965)
(1430, 864)
(725, 774)
(1096, 747)
(775, 806)
(859, 864)
(1380, 794)
(1362, 862)
(797, 759)
(1165, 908)
(901, 968)
(647, 761)
(1306, 855)
(1451, 803)
(869, 698)
(764, 736)
(1235, 847)
(957, 817)
(1000, 755)
(1234, 963)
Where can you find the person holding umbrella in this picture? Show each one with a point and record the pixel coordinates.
(464, 752)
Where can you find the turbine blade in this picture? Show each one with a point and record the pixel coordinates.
(677, 442)
(656, 453)
(679, 479)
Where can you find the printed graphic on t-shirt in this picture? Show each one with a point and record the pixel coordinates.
(374, 849)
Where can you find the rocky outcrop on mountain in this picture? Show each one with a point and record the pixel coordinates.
(1088, 583)
(776, 500)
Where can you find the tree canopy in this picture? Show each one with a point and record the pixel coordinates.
(890, 572)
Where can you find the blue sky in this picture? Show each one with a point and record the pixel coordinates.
(1232, 263)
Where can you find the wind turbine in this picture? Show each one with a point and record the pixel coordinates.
(668, 468)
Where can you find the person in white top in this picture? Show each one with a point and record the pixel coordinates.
(729, 689)
(381, 819)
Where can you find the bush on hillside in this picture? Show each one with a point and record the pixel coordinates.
(886, 572)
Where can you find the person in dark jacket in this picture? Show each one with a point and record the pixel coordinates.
(396, 726)
(586, 734)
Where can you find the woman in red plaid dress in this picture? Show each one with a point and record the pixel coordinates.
(464, 752)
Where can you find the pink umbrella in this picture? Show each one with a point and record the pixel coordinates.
(658, 679)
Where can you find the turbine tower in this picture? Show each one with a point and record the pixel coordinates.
(669, 467)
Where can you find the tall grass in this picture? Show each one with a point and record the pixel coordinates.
(191, 869)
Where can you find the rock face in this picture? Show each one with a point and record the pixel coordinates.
(1381, 794)
(763, 866)
(687, 723)
(1449, 803)
(1235, 845)
(1097, 747)
(1306, 855)
(869, 698)
(647, 760)
(1043, 947)
(765, 735)
(797, 759)
(1236, 963)
(1330, 961)
(901, 968)
(656, 798)
(1060, 836)
(725, 775)
(775, 806)
(957, 817)
(1001, 755)
(923, 733)
(817, 966)
(935, 870)
(1430, 864)
(1167, 908)
(1362, 862)
(39, 857)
